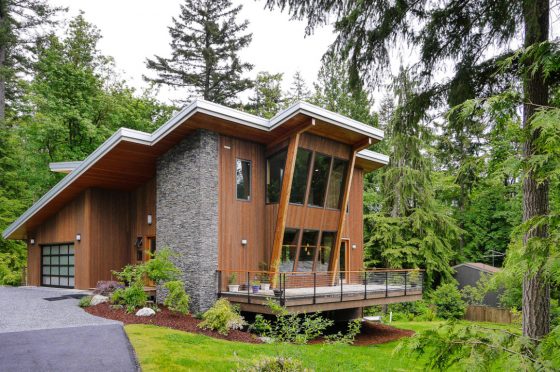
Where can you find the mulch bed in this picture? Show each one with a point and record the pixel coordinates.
(371, 333)
(167, 318)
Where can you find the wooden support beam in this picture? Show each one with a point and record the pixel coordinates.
(283, 205)
(341, 218)
(367, 142)
(297, 130)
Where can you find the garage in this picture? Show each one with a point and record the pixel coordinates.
(57, 265)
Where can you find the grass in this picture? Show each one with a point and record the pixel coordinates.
(163, 349)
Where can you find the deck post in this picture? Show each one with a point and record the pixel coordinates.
(248, 287)
(365, 285)
(314, 287)
(283, 295)
(405, 277)
(386, 284)
(219, 283)
(341, 288)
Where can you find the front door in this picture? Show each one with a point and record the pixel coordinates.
(57, 265)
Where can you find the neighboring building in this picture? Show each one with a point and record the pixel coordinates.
(231, 193)
(469, 273)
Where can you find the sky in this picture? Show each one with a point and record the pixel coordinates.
(134, 30)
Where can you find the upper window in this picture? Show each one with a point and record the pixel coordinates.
(301, 171)
(274, 174)
(336, 183)
(243, 179)
(319, 180)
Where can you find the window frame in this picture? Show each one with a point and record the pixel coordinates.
(315, 153)
(343, 183)
(249, 199)
(267, 174)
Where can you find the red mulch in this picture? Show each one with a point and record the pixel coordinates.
(375, 333)
(167, 318)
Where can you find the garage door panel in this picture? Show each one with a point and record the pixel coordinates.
(57, 265)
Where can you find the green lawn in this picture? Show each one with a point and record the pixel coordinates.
(163, 349)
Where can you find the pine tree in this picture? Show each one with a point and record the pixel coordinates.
(267, 98)
(474, 36)
(298, 90)
(206, 41)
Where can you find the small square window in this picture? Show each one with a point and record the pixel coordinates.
(243, 179)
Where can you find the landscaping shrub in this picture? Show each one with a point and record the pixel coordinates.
(107, 287)
(160, 268)
(296, 328)
(222, 317)
(448, 302)
(348, 338)
(277, 364)
(130, 297)
(130, 274)
(85, 301)
(177, 299)
(261, 326)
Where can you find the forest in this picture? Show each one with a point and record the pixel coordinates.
(474, 169)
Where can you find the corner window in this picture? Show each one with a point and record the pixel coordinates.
(307, 250)
(336, 183)
(243, 179)
(319, 178)
(327, 243)
(274, 174)
(301, 171)
(289, 249)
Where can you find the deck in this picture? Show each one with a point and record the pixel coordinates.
(323, 291)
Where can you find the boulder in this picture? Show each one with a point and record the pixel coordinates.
(98, 299)
(145, 311)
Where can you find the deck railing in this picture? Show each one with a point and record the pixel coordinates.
(309, 288)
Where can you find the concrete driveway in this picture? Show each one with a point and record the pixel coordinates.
(43, 329)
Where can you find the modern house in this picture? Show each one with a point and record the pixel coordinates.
(469, 273)
(238, 197)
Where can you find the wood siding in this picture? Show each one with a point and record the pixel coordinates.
(240, 219)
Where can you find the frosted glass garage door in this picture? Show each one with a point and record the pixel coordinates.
(57, 265)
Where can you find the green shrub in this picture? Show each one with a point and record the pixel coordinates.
(177, 299)
(348, 338)
(130, 274)
(296, 328)
(222, 317)
(448, 302)
(85, 301)
(160, 268)
(276, 364)
(260, 326)
(131, 297)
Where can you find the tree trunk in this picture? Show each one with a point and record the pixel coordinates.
(536, 292)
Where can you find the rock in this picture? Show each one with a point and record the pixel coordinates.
(145, 311)
(98, 299)
(266, 340)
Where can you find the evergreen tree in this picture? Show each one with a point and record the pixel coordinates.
(474, 35)
(267, 98)
(412, 229)
(298, 90)
(206, 41)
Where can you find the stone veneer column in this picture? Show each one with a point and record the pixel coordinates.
(187, 213)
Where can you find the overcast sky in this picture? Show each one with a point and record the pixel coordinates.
(136, 29)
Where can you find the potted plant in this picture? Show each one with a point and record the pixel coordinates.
(264, 276)
(232, 287)
(256, 285)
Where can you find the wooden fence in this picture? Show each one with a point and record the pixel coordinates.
(479, 313)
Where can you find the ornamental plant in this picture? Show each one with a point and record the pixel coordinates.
(222, 317)
(448, 302)
(177, 299)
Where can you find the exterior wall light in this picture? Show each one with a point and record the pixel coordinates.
(78, 237)
(149, 219)
(244, 242)
(354, 246)
(32, 241)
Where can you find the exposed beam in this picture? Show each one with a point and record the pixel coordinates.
(364, 144)
(283, 204)
(341, 218)
(297, 130)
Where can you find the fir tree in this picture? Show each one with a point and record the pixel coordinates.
(206, 41)
(298, 90)
(267, 98)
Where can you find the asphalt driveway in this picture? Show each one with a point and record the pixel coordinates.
(43, 329)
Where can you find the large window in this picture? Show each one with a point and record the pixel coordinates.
(324, 256)
(274, 174)
(336, 183)
(301, 172)
(243, 179)
(289, 249)
(319, 179)
(307, 250)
